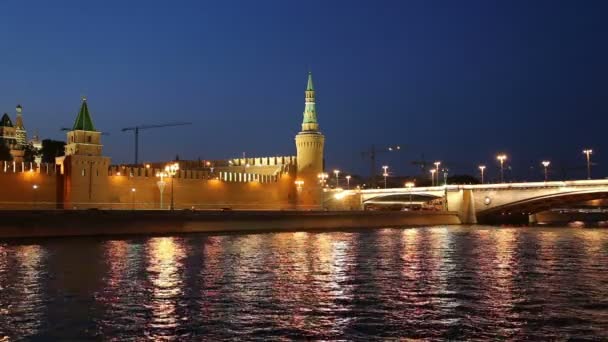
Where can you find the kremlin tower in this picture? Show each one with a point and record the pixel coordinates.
(309, 145)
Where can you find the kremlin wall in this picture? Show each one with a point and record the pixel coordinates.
(84, 178)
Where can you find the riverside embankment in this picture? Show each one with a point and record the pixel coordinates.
(18, 224)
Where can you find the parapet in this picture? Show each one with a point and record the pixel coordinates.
(263, 161)
(226, 176)
(18, 167)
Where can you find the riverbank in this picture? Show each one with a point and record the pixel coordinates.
(18, 224)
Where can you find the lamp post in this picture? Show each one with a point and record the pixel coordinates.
(501, 158)
(546, 164)
(337, 173)
(588, 152)
(385, 174)
(481, 169)
(171, 170)
(34, 188)
(161, 185)
(433, 177)
(437, 163)
(132, 198)
(322, 178)
(348, 182)
(299, 183)
(410, 185)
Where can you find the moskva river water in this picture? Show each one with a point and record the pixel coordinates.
(473, 283)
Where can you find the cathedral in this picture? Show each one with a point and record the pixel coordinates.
(14, 136)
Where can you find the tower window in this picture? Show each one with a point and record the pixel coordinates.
(84, 172)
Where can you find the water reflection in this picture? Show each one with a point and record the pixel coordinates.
(164, 270)
(455, 283)
(22, 298)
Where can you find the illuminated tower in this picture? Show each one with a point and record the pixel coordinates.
(84, 167)
(20, 133)
(309, 145)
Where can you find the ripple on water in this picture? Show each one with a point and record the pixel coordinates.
(461, 283)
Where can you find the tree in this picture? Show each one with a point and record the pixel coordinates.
(52, 149)
(30, 153)
(5, 153)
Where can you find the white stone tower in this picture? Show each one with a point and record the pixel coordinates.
(309, 144)
(20, 133)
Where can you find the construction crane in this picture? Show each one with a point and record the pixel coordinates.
(136, 129)
(422, 164)
(371, 153)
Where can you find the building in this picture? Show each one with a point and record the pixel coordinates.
(86, 178)
(14, 136)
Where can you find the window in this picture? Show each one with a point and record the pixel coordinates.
(84, 172)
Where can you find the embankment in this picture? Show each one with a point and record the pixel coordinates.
(16, 224)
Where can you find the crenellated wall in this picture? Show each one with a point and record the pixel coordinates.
(29, 186)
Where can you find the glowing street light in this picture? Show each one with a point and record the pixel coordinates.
(433, 177)
(322, 178)
(501, 158)
(482, 169)
(437, 163)
(34, 188)
(410, 185)
(546, 164)
(132, 198)
(299, 183)
(161, 185)
(348, 182)
(337, 173)
(171, 170)
(385, 174)
(588, 152)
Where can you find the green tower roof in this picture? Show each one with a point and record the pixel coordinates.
(6, 121)
(83, 120)
(309, 86)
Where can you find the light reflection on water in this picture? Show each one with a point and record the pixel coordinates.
(458, 282)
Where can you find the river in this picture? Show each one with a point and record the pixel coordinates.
(458, 282)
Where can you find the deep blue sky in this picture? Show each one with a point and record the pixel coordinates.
(455, 80)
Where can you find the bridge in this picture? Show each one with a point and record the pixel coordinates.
(480, 202)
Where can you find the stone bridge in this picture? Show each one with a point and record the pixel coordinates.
(480, 202)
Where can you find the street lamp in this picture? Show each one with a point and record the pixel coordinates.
(171, 170)
(437, 163)
(337, 173)
(588, 152)
(501, 158)
(348, 182)
(132, 198)
(161, 185)
(322, 178)
(299, 184)
(433, 177)
(546, 164)
(481, 169)
(410, 185)
(385, 174)
(34, 188)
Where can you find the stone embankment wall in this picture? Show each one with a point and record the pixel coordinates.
(81, 223)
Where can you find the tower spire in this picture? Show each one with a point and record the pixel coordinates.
(83, 120)
(309, 122)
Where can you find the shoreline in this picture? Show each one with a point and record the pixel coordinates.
(58, 223)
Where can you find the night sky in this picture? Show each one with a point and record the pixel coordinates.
(457, 81)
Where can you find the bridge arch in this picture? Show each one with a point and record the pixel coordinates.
(538, 204)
